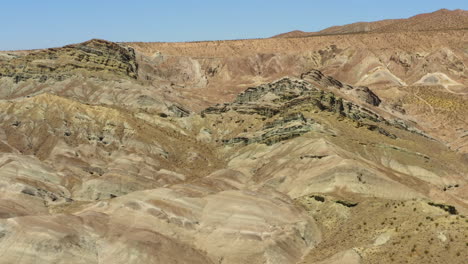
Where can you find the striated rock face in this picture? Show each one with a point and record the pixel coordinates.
(92, 58)
(279, 97)
(305, 127)
(281, 129)
(95, 72)
(364, 94)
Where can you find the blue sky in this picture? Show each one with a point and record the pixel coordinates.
(52, 23)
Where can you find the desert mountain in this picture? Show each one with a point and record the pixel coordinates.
(339, 148)
(442, 19)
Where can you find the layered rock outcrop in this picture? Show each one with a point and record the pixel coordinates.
(94, 58)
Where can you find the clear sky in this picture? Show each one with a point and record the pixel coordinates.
(28, 24)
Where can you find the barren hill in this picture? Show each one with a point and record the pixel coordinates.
(442, 19)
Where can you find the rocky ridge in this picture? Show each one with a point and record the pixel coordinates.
(442, 19)
(97, 57)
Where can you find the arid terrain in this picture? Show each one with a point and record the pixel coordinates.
(343, 146)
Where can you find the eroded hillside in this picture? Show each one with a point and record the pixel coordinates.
(325, 149)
